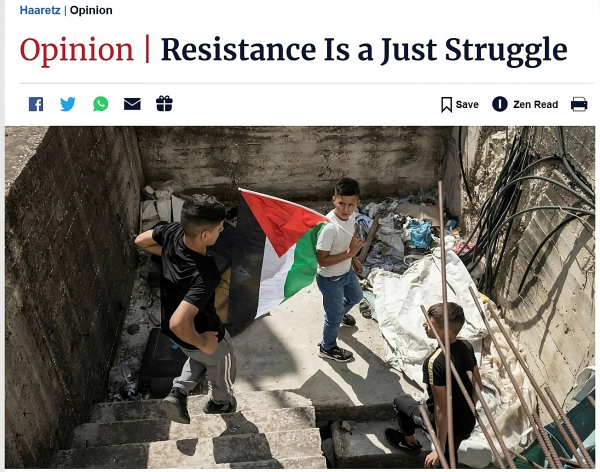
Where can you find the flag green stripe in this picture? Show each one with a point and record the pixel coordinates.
(304, 268)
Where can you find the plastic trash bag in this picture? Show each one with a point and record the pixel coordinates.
(420, 233)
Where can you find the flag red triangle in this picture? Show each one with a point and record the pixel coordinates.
(284, 223)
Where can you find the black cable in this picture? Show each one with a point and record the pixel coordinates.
(504, 199)
(497, 206)
(462, 167)
(558, 132)
(496, 230)
(564, 223)
(552, 181)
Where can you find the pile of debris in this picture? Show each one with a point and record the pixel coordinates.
(405, 229)
(159, 205)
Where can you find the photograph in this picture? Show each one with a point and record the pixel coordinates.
(285, 296)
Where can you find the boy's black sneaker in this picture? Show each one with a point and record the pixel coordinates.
(336, 353)
(212, 408)
(398, 439)
(175, 406)
(348, 321)
(365, 309)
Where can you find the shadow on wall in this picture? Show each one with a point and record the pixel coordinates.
(537, 272)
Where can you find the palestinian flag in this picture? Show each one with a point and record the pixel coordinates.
(274, 256)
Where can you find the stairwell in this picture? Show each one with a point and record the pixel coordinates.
(364, 446)
(270, 430)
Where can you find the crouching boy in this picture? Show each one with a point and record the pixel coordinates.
(434, 376)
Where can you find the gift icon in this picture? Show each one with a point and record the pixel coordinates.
(164, 103)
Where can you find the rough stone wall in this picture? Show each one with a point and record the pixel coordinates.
(451, 173)
(553, 316)
(72, 207)
(299, 163)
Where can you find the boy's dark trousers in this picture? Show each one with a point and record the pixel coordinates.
(409, 418)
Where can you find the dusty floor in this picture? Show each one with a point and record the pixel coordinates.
(279, 352)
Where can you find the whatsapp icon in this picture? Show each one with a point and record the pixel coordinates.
(100, 103)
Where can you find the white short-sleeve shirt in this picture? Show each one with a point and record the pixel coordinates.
(336, 241)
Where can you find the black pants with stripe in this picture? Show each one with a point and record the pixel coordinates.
(409, 419)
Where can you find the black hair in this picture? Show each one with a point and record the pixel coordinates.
(201, 213)
(456, 316)
(347, 187)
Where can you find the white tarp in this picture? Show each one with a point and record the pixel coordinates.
(398, 305)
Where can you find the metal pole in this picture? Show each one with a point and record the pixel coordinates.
(524, 459)
(492, 423)
(544, 433)
(539, 431)
(434, 439)
(569, 461)
(472, 406)
(541, 395)
(569, 426)
(446, 332)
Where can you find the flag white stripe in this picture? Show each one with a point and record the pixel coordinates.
(272, 278)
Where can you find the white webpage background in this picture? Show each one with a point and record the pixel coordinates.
(318, 92)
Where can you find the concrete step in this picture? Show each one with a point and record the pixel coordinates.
(203, 426)
(328, 411)
(202, 453)
(148, 409)
(365, 446)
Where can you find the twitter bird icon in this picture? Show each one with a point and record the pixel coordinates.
(67, 104)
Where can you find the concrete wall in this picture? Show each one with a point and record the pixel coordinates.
(72, 207)
(554, 314)
(293, 162)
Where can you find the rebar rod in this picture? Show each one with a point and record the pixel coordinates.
(591, 400)
(492, 423)
(545, 436)
(538, 430)
(524, 459)
(570, 428)
(472, 406)
(434, 438)
(450, 434)
(568, 461)
(539, 392)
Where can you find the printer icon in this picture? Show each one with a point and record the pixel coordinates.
(579, 104)
(132, 103)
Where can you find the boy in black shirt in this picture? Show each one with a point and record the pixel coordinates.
(434, 376)
(188, 316)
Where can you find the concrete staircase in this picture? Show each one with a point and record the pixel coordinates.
(364, 446)
(271, 429)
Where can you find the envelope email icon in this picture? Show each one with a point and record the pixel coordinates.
(132, 103)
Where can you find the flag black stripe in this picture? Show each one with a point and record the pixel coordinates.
(248, 253)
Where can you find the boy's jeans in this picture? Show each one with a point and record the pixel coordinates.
(340, 293)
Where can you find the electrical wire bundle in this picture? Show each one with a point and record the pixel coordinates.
(499, 210)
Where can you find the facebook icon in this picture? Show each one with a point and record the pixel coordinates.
(36, 104)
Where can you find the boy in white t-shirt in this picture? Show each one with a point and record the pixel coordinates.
(336, 276)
